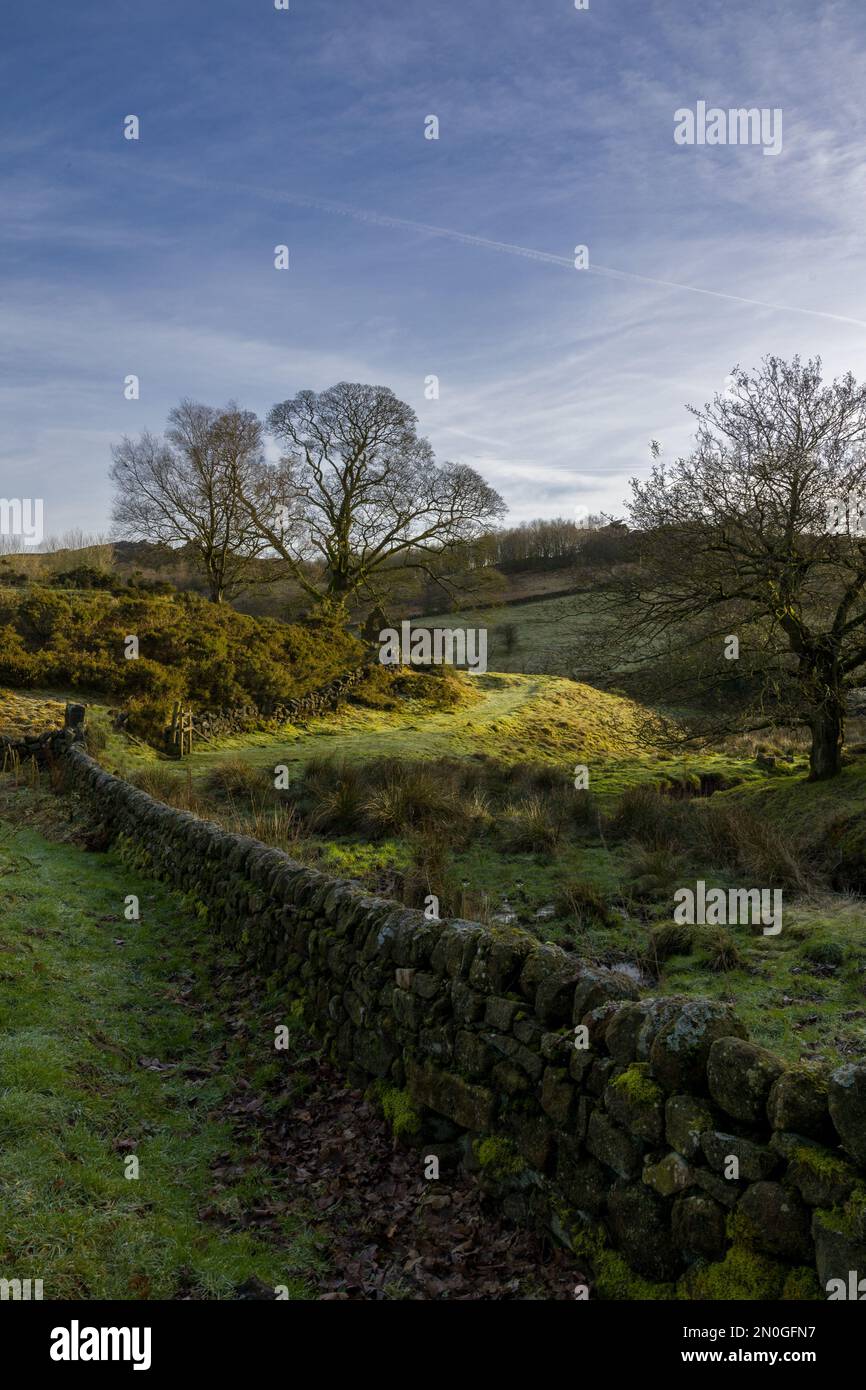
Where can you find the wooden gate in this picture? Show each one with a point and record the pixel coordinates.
(180, 734)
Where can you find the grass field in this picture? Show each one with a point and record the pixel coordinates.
(113, 1046)
(548, 633)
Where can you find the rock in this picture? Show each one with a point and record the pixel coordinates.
(473, 1055)
(678, 1057)
(740, 1075)
(535, 1141)
(543, 962)
(499, 959)
(581, 1178)
(847, 1102)
(685, 1121)
(557, 1095)
(670, 1175)
(636, 1103)
(722, 1190)
(638, 1222)
(756, 1161)
(778, 1223)
(698, 1226)
(596, 986)
(499, 1013)
(822, 1177)
(554, 998)
(622, 1032)
(839, 1248)
(798, 1102)
(613, 1146)
(472, 1107)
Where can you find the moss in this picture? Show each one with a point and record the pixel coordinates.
(801, 1286)
(613, 1276)
(498, 1157)
(822, 1162)
(742, 1274)
(637, 1086)
(849, 1220)
(399, 1111)
(741, 1231)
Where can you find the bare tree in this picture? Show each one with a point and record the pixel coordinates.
(358, 494)
(758, 535)
(188, 488)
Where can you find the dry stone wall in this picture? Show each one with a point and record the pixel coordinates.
(703, 1159)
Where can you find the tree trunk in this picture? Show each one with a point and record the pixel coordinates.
(828, 727)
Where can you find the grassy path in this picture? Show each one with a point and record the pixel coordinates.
(365, 733)
(113, 1048)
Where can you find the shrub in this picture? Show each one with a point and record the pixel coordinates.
(671, 939)
(237, 778)
(534, 823)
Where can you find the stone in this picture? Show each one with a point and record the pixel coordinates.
(473, 1055)
(622, 1032)
(670, 1175)
(638, 1221)
(472, 1107)
(554, 998)
(581, 1178)
(798, 1102)
(755, 1161)
(467, 1005)
(686, 1118)
(499, 959)
(613, 1146)
(535, 1140)
(499, 1013)
(599, 1074)
(636, 1103)
(557, 1095)
(373, 1051)
(698, 1226)
(528, 1032)
(839, 1249)
(778, 1223)
(556, 1047)
(596, 986)
(740, 1075)
(847, 1102)
(722, 1190)
(510, 1079)
(822, 1178)
(678, 1057)
(523, 1057)
(543, 963)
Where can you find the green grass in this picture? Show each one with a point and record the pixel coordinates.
(86, 998)
(549, 632)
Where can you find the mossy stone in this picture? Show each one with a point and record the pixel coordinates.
(740, 1075)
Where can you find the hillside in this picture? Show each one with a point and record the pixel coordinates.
(144, 651)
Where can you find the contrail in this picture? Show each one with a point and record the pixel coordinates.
(511, 249)
(507, 248)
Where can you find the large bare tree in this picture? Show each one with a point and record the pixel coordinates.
(357, 494)
(759, 535)
(188, 488)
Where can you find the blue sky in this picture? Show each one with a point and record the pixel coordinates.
(306, 127)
